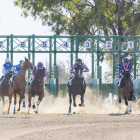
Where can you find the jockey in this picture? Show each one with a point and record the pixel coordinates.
(39, 65)
(72, 70)
(7, 66)
(18, 67)
(125, 65)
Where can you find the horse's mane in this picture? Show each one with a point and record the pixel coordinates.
(125, 77)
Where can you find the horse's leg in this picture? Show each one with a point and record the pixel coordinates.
(126, 103)
(15, 96)
(74, 104)
(23, 98)
(130, 101)
(3, 103)
(70, 101)
(120, 95)
(33, 95)
(82, 101)
(20, 100)
(39, 100)
(29, 100)
(10, 99)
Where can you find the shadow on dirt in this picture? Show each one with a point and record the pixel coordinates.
(112, 114)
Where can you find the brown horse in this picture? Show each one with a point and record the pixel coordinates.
(126, 89)
(77, 87)
(4, 86)
(36, 88)
(19, 84)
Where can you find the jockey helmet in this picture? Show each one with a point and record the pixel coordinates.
(21, 61)
(125, 60)
(7, 60)
(79, 61)
(39, 64)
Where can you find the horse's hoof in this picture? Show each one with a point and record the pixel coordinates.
(74, 105)
(33, 106)
(80, 105)
(36, 112)
(14, 112)
(69, 111)
(130, 110)
(18, 109)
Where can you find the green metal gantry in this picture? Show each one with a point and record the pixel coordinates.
(75, 46)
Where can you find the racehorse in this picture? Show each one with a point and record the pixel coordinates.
(77, 87)
(18, 84)
(4, 86)
(36, 88)
(126, 90)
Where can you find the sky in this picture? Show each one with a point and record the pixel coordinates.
(11, 22)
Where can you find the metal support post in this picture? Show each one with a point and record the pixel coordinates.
(33, 49)
(50, 60)
(77, 47)
(134, 59)
(72, 49)
(7, 46)
(98, 50)
(11, 48)
(29, 57)
(92, 64)
(54, 50)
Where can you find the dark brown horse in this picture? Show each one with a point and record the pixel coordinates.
(36, 88)
(77, 87)
(4, 86)
(19, 84)
(126, 90)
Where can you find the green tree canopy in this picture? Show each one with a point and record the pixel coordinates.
(86, 17)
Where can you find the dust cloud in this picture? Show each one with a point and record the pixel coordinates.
(1, 106)
(94, 104)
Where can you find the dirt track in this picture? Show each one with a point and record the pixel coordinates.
(73, 127)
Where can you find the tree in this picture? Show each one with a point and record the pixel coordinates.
(86, 17)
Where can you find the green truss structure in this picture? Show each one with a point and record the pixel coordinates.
(74, 46)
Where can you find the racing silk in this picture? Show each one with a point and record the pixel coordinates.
(5, 68)
(17, 68)
(35, 71)
(123, 67)
(85, 68)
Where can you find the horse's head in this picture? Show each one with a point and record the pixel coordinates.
(40, 75)
(126, 78)
(79, 70)
(28, 64)
(9, 74)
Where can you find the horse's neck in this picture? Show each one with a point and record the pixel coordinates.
(77, 79)
(22, 71)
(6, 81)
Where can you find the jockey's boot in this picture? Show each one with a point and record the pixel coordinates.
(1, 78)
(69, 81)
(30, 81)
